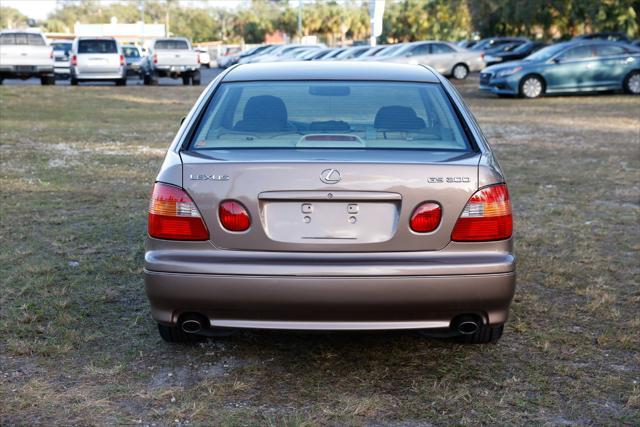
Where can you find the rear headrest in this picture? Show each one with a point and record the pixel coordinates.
(398, 117)
(263, 112)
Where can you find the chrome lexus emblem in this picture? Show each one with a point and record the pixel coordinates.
(330, 176)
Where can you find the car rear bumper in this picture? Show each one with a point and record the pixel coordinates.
(88, 75)
(9, 71)
(331, 291)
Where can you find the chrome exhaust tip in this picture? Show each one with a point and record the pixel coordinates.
(466, 325)
(191, 326)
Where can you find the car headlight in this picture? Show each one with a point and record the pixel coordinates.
(508, 71)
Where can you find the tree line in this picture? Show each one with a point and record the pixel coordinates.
(348, 20)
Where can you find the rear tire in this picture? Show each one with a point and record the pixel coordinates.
(631, 84)
(486, 334)
(73, 81)
(531, 87)
(174, 334)
(195, 78)
(121, 82)
(185, 80)
(460, 71)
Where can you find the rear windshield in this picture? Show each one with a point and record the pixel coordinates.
(130, 52)
(63, 47)
(172, 44)
(330, 114)
(21, 39)
(97, 46)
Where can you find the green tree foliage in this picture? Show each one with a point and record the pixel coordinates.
(12, 18)
(338, 21)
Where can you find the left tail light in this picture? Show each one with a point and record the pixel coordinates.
(174, 216)
(74, 60)
(486, 217)
(122, 62)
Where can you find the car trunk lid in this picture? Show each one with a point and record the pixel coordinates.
(321, 200)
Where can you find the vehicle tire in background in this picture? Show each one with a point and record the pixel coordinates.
(174, 334)
(195, 78)
(484, 335)
(47, 80)
(531, 87)
(73, 81)
(149, 80)
(185, 80)
(121, 82)
(1, 80)
(460, 71)
(631, 84)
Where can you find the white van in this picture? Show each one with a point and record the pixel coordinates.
(97, 59)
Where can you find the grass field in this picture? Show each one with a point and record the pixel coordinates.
(78, 345)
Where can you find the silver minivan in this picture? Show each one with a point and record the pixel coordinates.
(97, 59)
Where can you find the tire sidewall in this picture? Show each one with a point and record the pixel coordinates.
(464, 67)
(625, 84)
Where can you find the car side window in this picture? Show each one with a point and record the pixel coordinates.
(576, 53)
(441, 48)
(422, 49)
(608, 50)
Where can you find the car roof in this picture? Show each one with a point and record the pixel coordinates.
(330, 70)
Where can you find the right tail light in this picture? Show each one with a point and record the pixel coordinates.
(155, 58)
(74, 60)
(486, 216)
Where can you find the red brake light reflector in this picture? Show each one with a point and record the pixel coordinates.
(74, 60)
(174, 216)
(426, 217)
(486, 216)
(122, 61)
(234, 216)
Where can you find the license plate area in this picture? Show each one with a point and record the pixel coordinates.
(333, 222)
(25, 69)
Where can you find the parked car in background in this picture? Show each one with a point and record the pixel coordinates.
(611, 36)
(97, 59)
(203, 56)
(25, 54)
(333, 55)
(280, 51)
(133, 59)
(353, 52)
(582, 66)
(446, 58)
(330, 196)
(174, 58)
(375, 54)
(519, 52)
(315, 54)
(296, 54)
(467, 44)
(492, 42)
(62, 58)
(372, 51)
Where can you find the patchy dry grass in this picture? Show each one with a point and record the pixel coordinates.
(79, 347)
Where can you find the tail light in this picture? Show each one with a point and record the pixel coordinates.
(74, 60)
(487, 216)
(155, 58)
(426, 217)
(122, 61)
(234, 216)
(51, 54)
(174, 216)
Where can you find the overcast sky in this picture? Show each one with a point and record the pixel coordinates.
(39, 9)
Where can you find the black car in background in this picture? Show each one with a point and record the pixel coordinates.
(493, 42)
(513, 53)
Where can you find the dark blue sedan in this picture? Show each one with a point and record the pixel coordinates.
(570, 67)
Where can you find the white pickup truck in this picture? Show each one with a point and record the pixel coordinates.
(172, 57)
(25, 54)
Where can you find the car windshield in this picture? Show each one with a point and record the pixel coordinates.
(61, 47)
(523, 47)
(97, 46)
(171, 45)
(391, 50)
(21, 39)
(131, 52)
(546, 53)
(330, 114)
